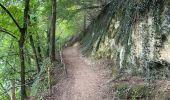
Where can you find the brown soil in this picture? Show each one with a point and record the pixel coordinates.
(87, 79)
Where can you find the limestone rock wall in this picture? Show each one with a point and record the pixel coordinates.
(138, 39)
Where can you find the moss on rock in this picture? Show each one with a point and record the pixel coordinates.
(133, 92)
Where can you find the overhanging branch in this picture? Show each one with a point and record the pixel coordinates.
(8, 12)
(7, 32)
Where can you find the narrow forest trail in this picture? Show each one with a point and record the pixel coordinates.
(86, 80)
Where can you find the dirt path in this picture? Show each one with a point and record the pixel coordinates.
(87, 79)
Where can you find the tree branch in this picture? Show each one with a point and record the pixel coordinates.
(7, 32)
(14, 20)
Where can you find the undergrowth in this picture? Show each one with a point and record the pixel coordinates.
(41, 81)
(133, 92)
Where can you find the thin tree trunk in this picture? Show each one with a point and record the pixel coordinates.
(47, 44)
(49, 80)
(53, 30)
(22, 64)
(35, 53)
(21, 49)
(84, 27)
(39, 53)
(48, 35)
(13, 97)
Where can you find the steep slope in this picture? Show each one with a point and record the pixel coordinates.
(134, 34)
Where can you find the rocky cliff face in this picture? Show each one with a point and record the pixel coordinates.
(136, 36)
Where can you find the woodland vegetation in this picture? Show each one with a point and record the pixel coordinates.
(132, 34)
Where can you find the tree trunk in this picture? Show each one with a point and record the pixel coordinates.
(13, 97)
(40, 57)
(35, 53)
(53, 29)
(84, 26)
(47, 44)
(48, 35)
(22, 64)
(21, 49)
(52, 32)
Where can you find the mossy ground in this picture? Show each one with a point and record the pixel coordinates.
(135, 88)
(133, 92)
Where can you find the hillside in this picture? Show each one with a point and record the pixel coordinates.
(84, 49)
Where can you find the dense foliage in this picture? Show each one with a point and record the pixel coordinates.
(70, 19)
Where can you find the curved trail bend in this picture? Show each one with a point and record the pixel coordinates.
(87, 79)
